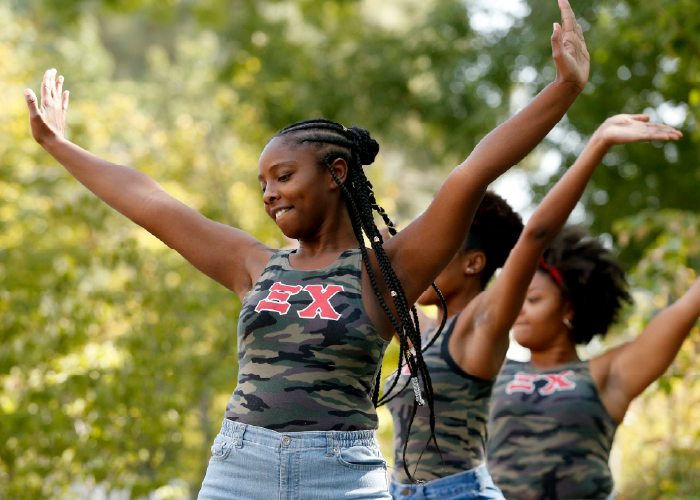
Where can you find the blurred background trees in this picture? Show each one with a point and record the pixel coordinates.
(117, 358)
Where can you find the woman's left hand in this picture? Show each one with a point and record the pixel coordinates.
(569, 49)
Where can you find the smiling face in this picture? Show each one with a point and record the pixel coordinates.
(540, 323)
(298, 193)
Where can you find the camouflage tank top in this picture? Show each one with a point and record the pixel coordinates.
(308, 354)
(461, 413)
(549, 434)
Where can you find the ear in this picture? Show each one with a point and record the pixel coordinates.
(340, 168)
(568, 311)
(474, 262)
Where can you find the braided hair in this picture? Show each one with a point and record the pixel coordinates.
(591, 279)
(355, 146)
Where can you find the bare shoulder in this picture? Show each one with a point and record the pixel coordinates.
(601, 366)
(255, 261)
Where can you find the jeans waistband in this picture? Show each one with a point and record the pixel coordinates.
(310, 439)
(475, 475)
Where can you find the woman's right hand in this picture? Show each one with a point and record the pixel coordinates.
(48, 121)
(624, 129)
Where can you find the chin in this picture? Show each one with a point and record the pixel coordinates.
(428, 298)
(523, 338)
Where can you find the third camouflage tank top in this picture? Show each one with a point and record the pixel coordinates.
(549, 434)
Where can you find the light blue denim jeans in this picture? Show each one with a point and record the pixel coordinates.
(253, 463)
(474, 484)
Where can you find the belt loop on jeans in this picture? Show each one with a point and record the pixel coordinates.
(238, 435)
(331, 445)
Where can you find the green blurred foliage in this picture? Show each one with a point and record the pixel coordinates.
(645, 57)
(117, 358)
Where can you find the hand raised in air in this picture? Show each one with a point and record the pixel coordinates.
(623, 129)
(48, 121)
(569, 49)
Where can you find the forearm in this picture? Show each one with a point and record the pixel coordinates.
(123, 188)
(511, 141)
(557, 205)
(642, 361)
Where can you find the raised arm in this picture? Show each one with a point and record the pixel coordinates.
(484, 329)
(426, 245)
(226, 254)
(623, 373)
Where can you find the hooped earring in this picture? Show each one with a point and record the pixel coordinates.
(568, 324)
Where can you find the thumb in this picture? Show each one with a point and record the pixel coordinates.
(30, 97)
(557, 45)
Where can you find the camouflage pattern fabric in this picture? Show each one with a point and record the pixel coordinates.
(549, 434)
(308, 354)
(461, 413)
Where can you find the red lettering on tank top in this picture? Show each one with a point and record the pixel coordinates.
(557, 382)
(277, 300)
(523, 382)
(321, 306)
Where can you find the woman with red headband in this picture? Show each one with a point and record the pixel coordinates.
(553, 419)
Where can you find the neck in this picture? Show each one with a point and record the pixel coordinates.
(563, 351)
(334, 236)
(456, 302)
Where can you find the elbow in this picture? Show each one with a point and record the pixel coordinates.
(538, 233)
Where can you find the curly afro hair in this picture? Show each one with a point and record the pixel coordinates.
(592, 280)
(495, 230)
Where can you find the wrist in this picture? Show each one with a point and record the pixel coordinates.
(574, 88)
(52, 142)
(599, 141)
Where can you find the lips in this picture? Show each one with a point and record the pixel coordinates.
(279, 212)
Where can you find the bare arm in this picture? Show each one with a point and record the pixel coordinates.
(481, 335)
(623, 373)
(224, 253)
(445, 223)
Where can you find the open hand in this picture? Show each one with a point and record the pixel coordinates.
(48, 121)
(623, 129)
(569, 49)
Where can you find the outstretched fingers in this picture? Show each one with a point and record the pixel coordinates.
(59, 86)
(640, 117)
(568, 18)
(661, 131)
(46, 87)
(64, 105)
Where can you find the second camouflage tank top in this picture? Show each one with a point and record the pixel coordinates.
(461, 413)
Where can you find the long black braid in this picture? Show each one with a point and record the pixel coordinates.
(362, 204)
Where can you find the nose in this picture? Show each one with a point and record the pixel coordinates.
(270, 194)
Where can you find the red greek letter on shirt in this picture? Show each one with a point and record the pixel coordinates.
(557, 382)
(321, 306)
(523, 382)
(277, 300)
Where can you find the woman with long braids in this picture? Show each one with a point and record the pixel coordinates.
(553, 419)
(465, 359)
(315, 321)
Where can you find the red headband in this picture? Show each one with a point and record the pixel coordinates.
(552, 271)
